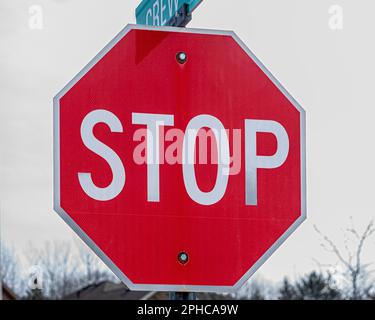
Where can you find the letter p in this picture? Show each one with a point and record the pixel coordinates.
(255, 162)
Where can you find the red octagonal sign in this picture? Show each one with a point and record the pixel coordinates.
(179, 159)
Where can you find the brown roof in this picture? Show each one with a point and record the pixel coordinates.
(7, 293)
(118, 291)
(107, 291)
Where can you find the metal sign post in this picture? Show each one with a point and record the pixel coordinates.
(181, 18)
(181, 296)
(177, 13)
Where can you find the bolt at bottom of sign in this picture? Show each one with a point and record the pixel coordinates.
(181, 57)
(183, 257)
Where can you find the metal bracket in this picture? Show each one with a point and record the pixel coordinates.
(181, 19)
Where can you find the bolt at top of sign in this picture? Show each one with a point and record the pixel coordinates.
(181, 57)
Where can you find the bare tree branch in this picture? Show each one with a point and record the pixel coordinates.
(356, 272)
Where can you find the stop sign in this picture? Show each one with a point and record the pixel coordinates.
(179, 159)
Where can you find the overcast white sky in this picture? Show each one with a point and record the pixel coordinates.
(330, 72)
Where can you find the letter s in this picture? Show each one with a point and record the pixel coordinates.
(99, 148)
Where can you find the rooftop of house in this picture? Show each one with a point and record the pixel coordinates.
(118, 291)
(107, 291)
(7, 293)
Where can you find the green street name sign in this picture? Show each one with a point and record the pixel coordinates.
(165, 12)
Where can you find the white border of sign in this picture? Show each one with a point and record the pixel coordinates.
(94, 247)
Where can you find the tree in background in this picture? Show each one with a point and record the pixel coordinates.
(58, 268)
(35, 294)
(356, 273)
(9, 269)
(314, 286)
(93, 269)
(256, 288)
(65, 269)
(287, 291)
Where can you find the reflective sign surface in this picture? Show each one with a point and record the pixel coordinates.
(179, 159)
